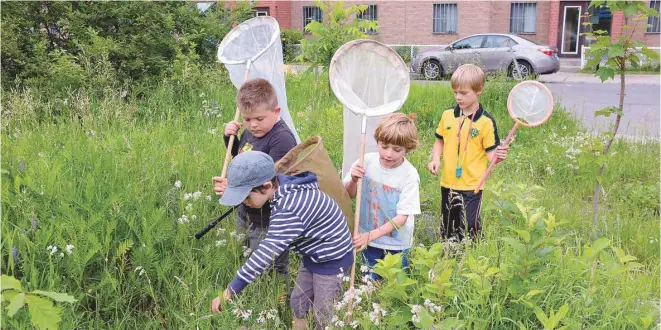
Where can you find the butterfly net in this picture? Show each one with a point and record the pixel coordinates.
(369, 79)
(257, 42)
(531, 103)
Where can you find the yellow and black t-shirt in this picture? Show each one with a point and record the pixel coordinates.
(481, 133)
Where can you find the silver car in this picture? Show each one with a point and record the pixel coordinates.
(493, 52)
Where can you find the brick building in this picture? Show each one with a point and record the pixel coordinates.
(553, 22)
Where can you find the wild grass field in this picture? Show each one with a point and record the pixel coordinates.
(102, 194)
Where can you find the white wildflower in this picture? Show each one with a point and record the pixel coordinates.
(247, 252)
(189, 207)
(415, 319)
(212, 131)
(550, 170)
(177, 184)
(51, 249)
(340, 324)
(416, 309)
(183, 219)
(140, 270)
(220, 231)
(240, 237)
(69, 248)
(354, 324)
(61, 254)
(187, 196)
(271, 314)
(197, 195)
(221, 243)
(261, 318)
(194, 217)
(346, 279)
(209, 198)
(364, 269)
(366, 278)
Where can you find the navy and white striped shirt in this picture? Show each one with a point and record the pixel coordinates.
(307, 221)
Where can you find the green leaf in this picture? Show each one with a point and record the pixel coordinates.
(616, 50)
(630, 9)
(62, 297)
(43, 313)
(606, 112)
(605, 73)
(541, 316)
(520, 248)
(15, 304)
(524, 235)
(562, 312)
(600, 244)
(9, 282)
(650, 54)
(451, 323)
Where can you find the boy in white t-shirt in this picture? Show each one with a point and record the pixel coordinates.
(391, 192)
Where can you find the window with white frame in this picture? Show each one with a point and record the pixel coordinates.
(260, 11)
(370, 14)
(445, 18)
(653, 21)
(311, 14)
(523, 17)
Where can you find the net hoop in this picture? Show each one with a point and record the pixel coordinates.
(242, 28)
(543, 89)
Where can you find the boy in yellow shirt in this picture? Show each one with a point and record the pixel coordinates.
(467, 138)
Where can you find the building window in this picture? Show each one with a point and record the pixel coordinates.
(311, 14)
(523, 17)
(445, 18)
(370, 14)
(260, 11)
(653, 21)
(601, 18)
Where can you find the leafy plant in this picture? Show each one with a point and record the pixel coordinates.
(621, 56)
(43, 313)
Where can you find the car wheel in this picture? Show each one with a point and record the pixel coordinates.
(520, 72)
(431, 70)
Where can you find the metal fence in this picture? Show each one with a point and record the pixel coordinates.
(644, 61)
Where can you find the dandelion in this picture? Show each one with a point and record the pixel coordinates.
(209, 198)
(69, 248)
(177, 184)
(221, 243)
(197, 195)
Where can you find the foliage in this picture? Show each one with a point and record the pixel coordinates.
(114, 175)
(43, 314)
(291, 40)
(337, 29)
(620, 54)
(68, 45)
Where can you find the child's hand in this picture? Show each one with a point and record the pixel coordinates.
(433, 167)
(501, 152)
(360, 242)
(219, 301)
(357, 172)
(232, 128)
(220, 184)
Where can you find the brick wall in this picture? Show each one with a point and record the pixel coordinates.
(554, 20)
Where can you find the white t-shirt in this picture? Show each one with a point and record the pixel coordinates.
(387, 193)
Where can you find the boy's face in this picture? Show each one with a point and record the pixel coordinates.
(260, 121)
(391, 155)
(465, 96)
(257, 199)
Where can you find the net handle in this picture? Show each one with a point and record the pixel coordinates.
(230, 144)
(543, 89)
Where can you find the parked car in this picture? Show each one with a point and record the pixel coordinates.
(493, 52)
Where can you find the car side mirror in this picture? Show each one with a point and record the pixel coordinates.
(449, 47)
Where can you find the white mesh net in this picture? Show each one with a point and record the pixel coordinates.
(369, 79)
(531, 103)
(257, 40)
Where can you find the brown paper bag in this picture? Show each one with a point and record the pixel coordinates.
(310, 156)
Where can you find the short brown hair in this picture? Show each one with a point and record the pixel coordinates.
(468, 75)
(255, 92)
(397, 129)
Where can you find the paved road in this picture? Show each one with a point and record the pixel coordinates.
(641, 106)
(583, 94)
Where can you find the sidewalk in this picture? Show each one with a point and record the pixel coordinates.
(577, 78)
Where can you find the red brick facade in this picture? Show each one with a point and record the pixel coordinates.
(411, 21)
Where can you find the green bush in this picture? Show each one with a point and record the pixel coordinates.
(291, 40)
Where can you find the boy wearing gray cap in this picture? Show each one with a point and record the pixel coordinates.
(303, 219)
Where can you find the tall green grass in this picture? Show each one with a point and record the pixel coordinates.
(98, 171)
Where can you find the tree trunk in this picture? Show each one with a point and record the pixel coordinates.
(595, 206)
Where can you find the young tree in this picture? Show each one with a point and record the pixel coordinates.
(621, 55)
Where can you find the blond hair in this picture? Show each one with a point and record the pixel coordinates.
(397, 129)
(468, 75)
(255, 92)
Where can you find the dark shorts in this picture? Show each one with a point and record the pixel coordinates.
(460, 210)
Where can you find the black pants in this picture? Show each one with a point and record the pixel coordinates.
(460, 210)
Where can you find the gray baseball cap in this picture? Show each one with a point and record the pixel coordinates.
(247, 170)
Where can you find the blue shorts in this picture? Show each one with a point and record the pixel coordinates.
(371, 255)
